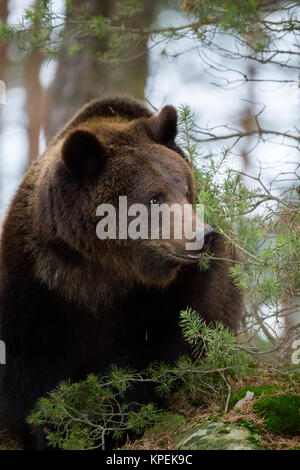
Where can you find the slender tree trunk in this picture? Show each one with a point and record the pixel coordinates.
(34, 102)
(80, 77)
(3, 67)
(3, 45)
(248, 121)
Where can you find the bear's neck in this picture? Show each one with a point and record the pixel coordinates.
(77, 280)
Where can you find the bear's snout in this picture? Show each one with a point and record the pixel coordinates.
(209, 237)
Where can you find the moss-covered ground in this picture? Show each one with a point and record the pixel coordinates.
(273, 415)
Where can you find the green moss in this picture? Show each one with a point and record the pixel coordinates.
(255, 436)
(249, 424)
(224, 431)
(281, 413)
(258, 391)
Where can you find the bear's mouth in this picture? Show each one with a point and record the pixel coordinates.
(188, 258)
(181, 257)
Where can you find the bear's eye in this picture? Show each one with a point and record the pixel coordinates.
(155, 200)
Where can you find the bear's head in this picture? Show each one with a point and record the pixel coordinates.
(101, 160)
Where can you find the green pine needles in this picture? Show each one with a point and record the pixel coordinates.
(81, 415)
(215, 347)
(84, 415)
(40, 27)
(259, 222)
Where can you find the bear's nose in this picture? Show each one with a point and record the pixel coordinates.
(206, 238)
(209, 236)
(202, 242)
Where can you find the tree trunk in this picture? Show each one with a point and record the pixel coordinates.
(80, 77)
(34, 102)
(3, 45)
(3, 68)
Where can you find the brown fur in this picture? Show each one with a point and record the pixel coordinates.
(72, 304)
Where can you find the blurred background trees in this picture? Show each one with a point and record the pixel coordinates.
(81, 77)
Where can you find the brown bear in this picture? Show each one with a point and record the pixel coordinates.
(72, 304)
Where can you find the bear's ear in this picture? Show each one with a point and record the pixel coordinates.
(83, 154)
(164, 126)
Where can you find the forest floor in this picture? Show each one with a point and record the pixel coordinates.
(7, 443)
(266, 384)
